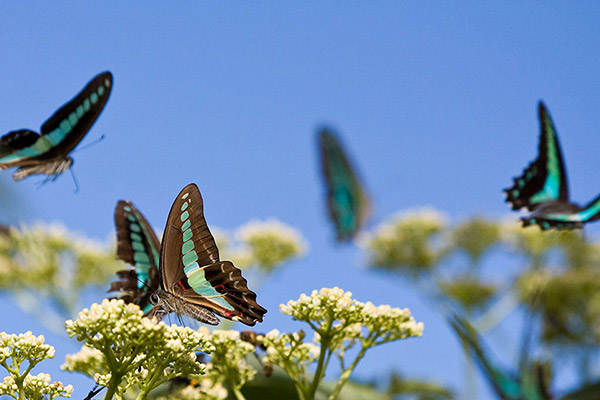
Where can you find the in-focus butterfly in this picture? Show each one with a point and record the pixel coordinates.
(48, 152)
(542, 189)
(186, 275)
(347, 200)
(530, 383)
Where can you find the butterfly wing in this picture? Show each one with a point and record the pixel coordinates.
(190, 265)
(545, 178)
(564, 216)
(138, 246)
(505, 384)
(62, 131)
(347, 201)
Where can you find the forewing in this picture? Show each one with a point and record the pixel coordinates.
(347, 201)
(138, 246)
(545, 178)
(187, 242)
(69, 124)
(221, 288)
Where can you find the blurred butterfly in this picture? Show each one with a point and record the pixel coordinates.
(530, 383)
(542, 189)
(185, 274)
(48, 152)
(346, 199)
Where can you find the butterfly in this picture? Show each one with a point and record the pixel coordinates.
(48, 152)
(347, 200)
(542, 188)
(183, 275)
(531, 383)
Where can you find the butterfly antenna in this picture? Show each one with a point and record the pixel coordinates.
(76, 190)
(132, 271)
(101, 138)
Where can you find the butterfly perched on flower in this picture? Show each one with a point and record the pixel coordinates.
(542, 188)
(347, 200)
(48, 152)
(183, 275)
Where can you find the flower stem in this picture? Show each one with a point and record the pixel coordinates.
(322, 365)
(238, 393)
(346, 374)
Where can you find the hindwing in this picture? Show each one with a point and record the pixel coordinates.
(138, 246)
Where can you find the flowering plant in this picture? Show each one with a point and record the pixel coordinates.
(14, 351)
(126, 349)
(339, 323)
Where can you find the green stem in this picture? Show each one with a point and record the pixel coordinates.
(238, 393)
(346, 374)
(112, 386)
(322, 365)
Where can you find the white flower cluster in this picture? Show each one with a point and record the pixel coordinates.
(271, 242)
(30, 348)
(24, 346)
(334, 312)
(141, 351)
(227, 360)
(289, 351)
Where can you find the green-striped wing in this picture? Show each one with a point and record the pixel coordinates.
(190, 265)
(564, 216)
(138, 246)
(61, 132)
(508, 386)
(545, 178)
(347, 201)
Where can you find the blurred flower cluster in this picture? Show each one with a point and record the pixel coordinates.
(15, 350)
(263, 244)
(554, 274)
(123, 348)
(47, 269)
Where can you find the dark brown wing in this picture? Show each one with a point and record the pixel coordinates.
(186, 225)
(190, 265)
(62, 131)
(222, 289)
(138, 246)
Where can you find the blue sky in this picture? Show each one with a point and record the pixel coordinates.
(435, 100)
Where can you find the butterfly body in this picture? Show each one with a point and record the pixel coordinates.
(184, 274)
(48, 152)
(542, 188)
(166, 302)
(347, 201)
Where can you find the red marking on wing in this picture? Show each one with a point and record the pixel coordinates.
(228, 313)
(183, 287)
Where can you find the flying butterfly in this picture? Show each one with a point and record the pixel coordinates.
(347, 200)
(530, 383)
(48, 152)
(542, 188)
(186, 275)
